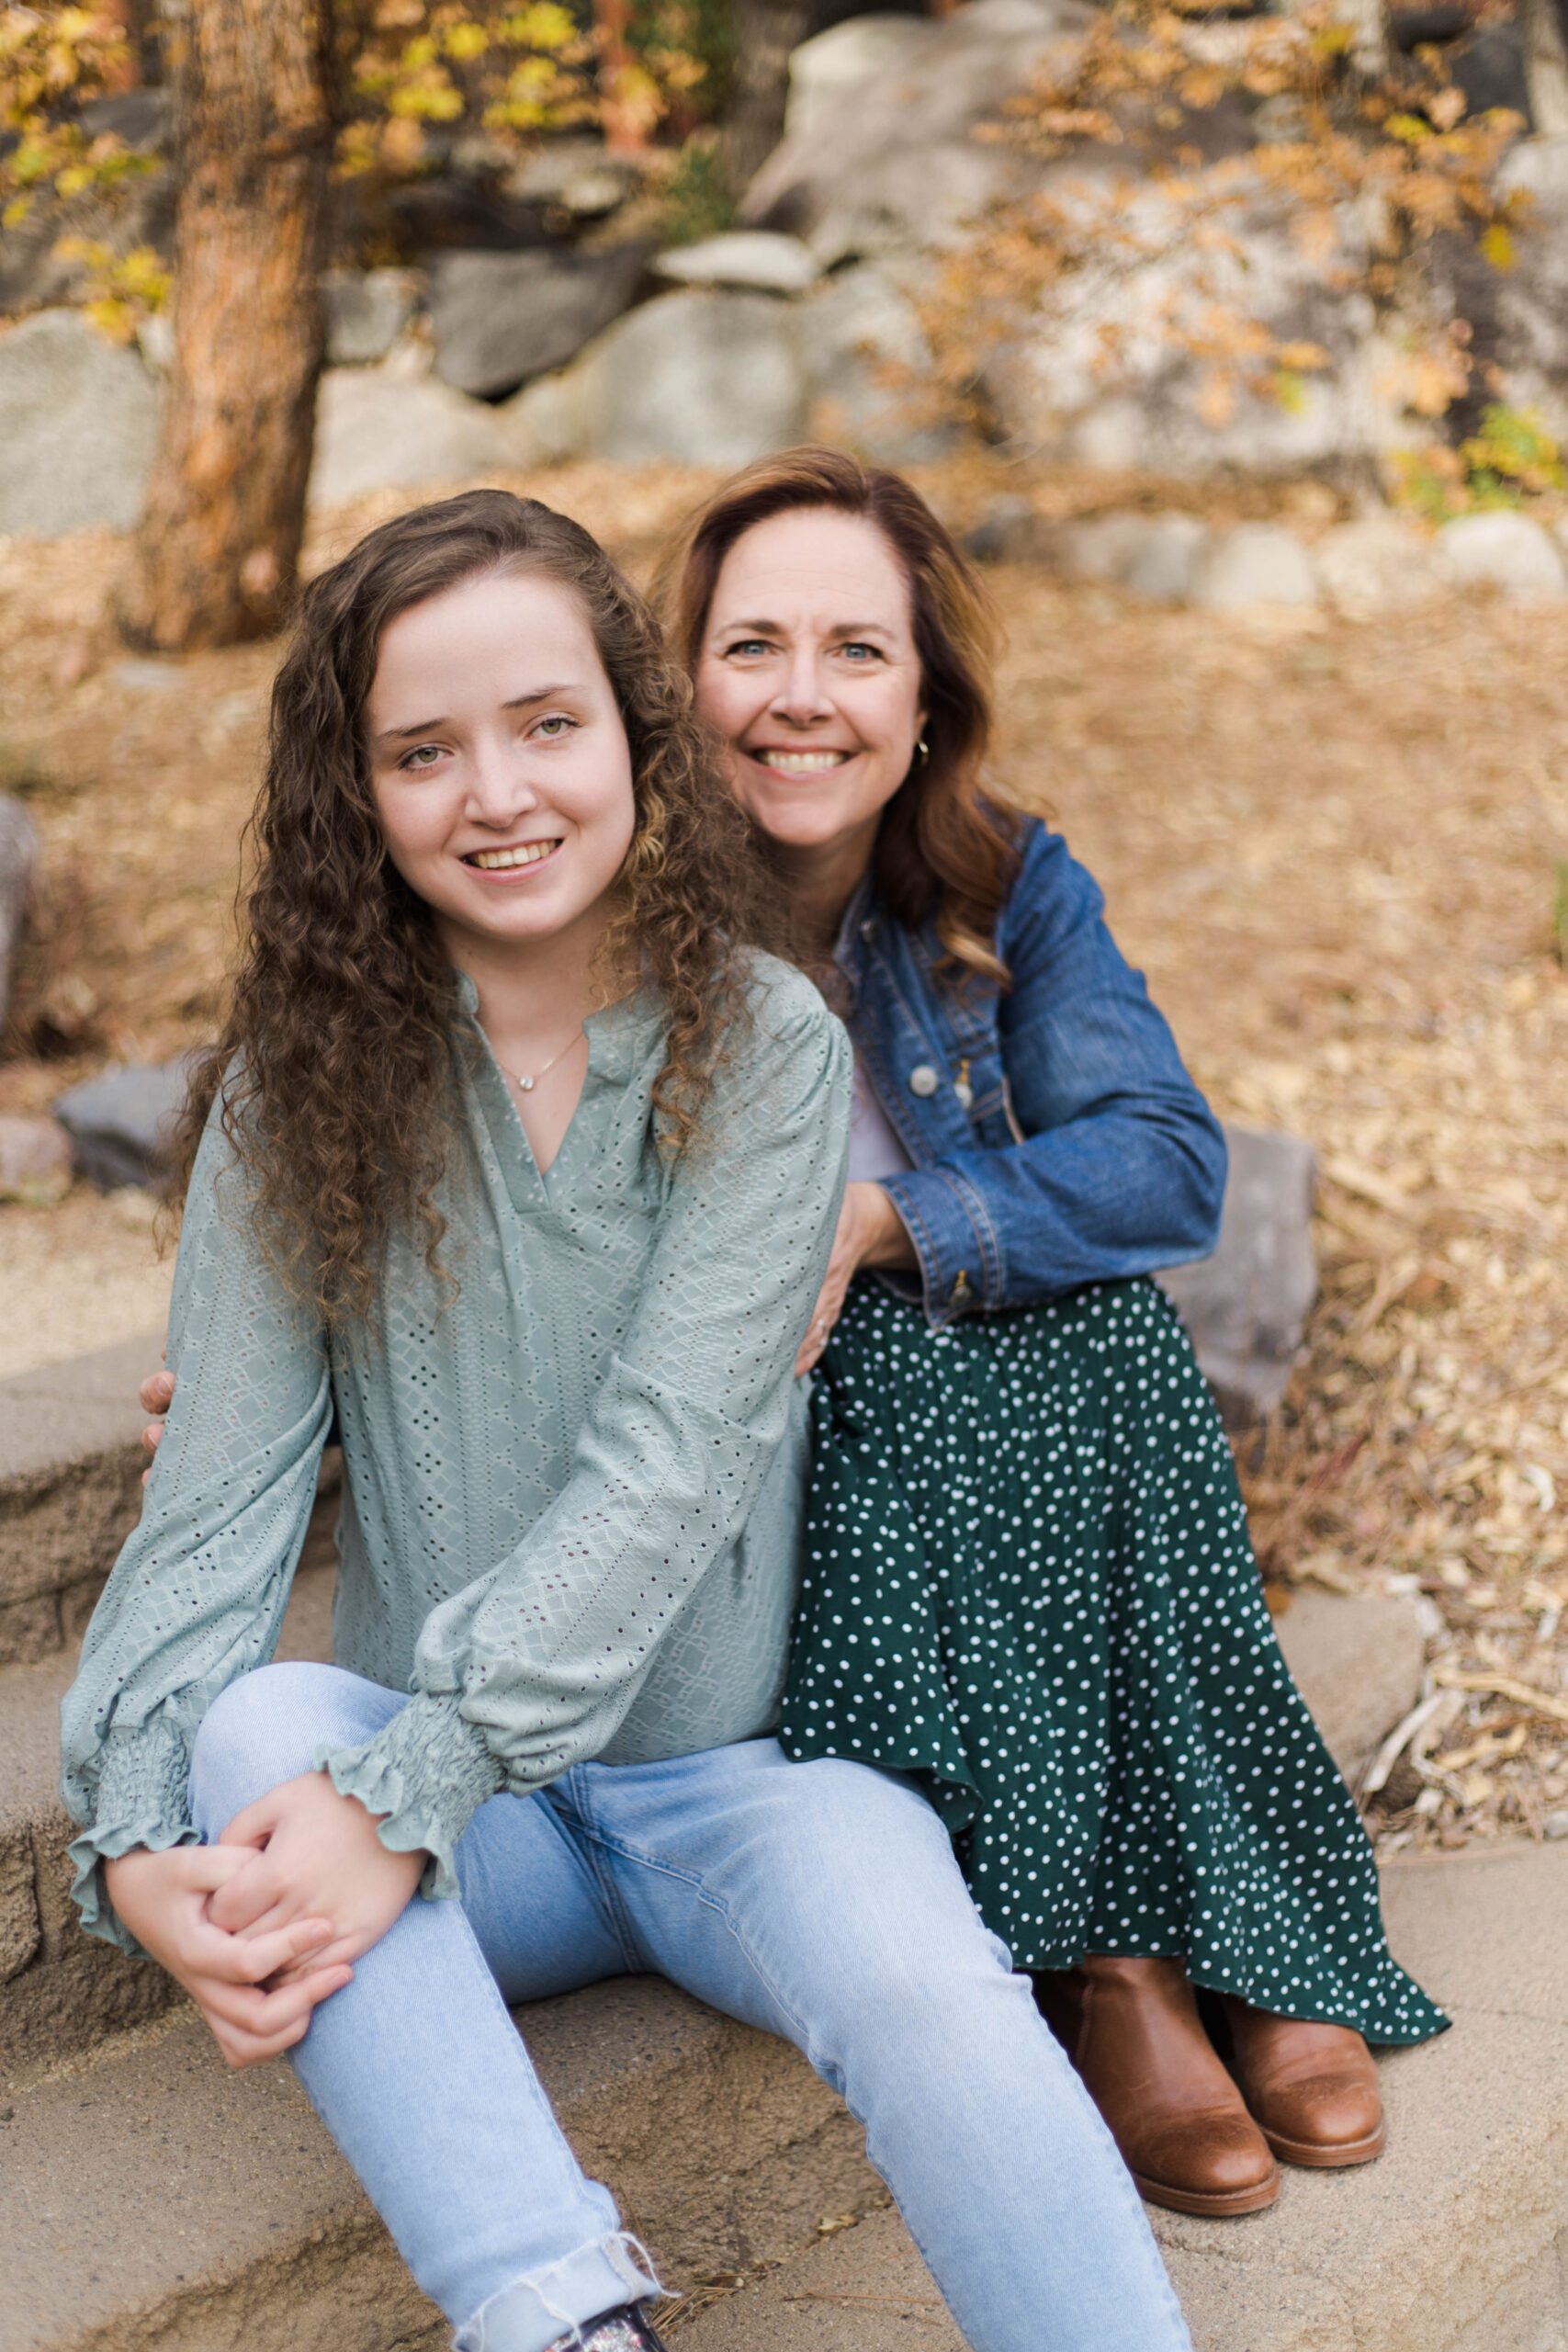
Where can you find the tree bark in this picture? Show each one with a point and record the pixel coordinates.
(765, 33)
(1546, 64)
(216, 552)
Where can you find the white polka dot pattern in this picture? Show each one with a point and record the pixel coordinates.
(1028, 1580)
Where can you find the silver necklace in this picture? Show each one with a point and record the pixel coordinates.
(528, 1084)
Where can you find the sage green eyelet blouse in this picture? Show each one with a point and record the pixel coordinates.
(573, 1495)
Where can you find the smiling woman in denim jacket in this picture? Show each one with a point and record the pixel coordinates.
(1028, 1580)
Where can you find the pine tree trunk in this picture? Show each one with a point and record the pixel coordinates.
(215, 555)
(765, 33)
(1542, 31)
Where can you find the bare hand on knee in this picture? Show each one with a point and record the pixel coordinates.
(236, 1982)
(315, 1855)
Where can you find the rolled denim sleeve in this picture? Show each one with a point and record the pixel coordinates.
(1120, 1165)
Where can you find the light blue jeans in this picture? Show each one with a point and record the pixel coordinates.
(819, 1901)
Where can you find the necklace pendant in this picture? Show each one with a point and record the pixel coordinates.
(526, 1085)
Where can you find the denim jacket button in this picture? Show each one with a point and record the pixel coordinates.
(868, 928)
(923, 1079)
(964, 1093)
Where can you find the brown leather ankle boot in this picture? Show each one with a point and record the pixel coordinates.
(1133, 2030)
(1313, 2090)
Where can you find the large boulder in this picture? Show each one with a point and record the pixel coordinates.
(1248, 1304)
(877, 154)
(762, 260)
(1376, 563)
(374, 432)
(78, 421)
(1258, 563)
(1532, 297)
(867, 364)
(121, 1122)
(499, 319)
(1505, 551)
(702, 377)
(1111, 374)
(367, 310)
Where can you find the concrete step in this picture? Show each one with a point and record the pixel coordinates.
(62, 1991)
(151, 2199)
(70, 1489)
(1457, 2241)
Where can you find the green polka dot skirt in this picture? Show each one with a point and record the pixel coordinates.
(1029, 1582)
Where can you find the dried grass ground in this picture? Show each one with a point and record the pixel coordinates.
(1332, 847)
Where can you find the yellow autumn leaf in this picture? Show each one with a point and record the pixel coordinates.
(1498, 247)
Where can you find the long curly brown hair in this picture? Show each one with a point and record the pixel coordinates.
(943, 848)
(339, 1057)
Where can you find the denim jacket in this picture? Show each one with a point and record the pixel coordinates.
(1055, 1135)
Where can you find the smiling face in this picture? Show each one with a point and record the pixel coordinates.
(499, 763)
(808, 665)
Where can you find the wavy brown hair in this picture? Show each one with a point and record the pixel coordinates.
(943, 848)
(340, 1056)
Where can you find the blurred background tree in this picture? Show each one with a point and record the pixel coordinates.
(268, 106)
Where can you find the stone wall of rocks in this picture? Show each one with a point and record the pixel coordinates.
(538, 319)
(1378, 562)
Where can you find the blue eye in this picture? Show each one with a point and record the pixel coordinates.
(858, 645)
(746, 645)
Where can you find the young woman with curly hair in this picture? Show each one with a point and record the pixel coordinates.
(1028, 1581)
(521, 1159)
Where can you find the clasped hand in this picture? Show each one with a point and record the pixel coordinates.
(269, 1922)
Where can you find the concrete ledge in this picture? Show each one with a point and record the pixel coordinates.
(154, 2200)
(1456, 2242)
(70, 1491)
(62, 1991)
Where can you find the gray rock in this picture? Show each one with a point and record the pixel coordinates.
(1248, 1304)
(1007, 532)
(1167, 559)
(867, 362)
(373, 433)
(367, 310)
(1376, 564)
(1157, 556)
(759, 258)
(1103, 379)
(35, 1159)
(1358, 1661)
(501, 319)
(1256, 563)
(1099, 546)
(700, 376)
(121, 1122)
(578, 174)
(18, 853)
(78, 421)
(876, 153)
(1505, 551)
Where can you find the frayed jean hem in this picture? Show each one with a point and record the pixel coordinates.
(556, 2303)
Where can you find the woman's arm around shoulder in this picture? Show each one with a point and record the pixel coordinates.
(1120, 1165)
(198, 1590)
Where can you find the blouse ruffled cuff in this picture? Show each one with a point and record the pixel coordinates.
(424, 1775)
(142, 1798)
